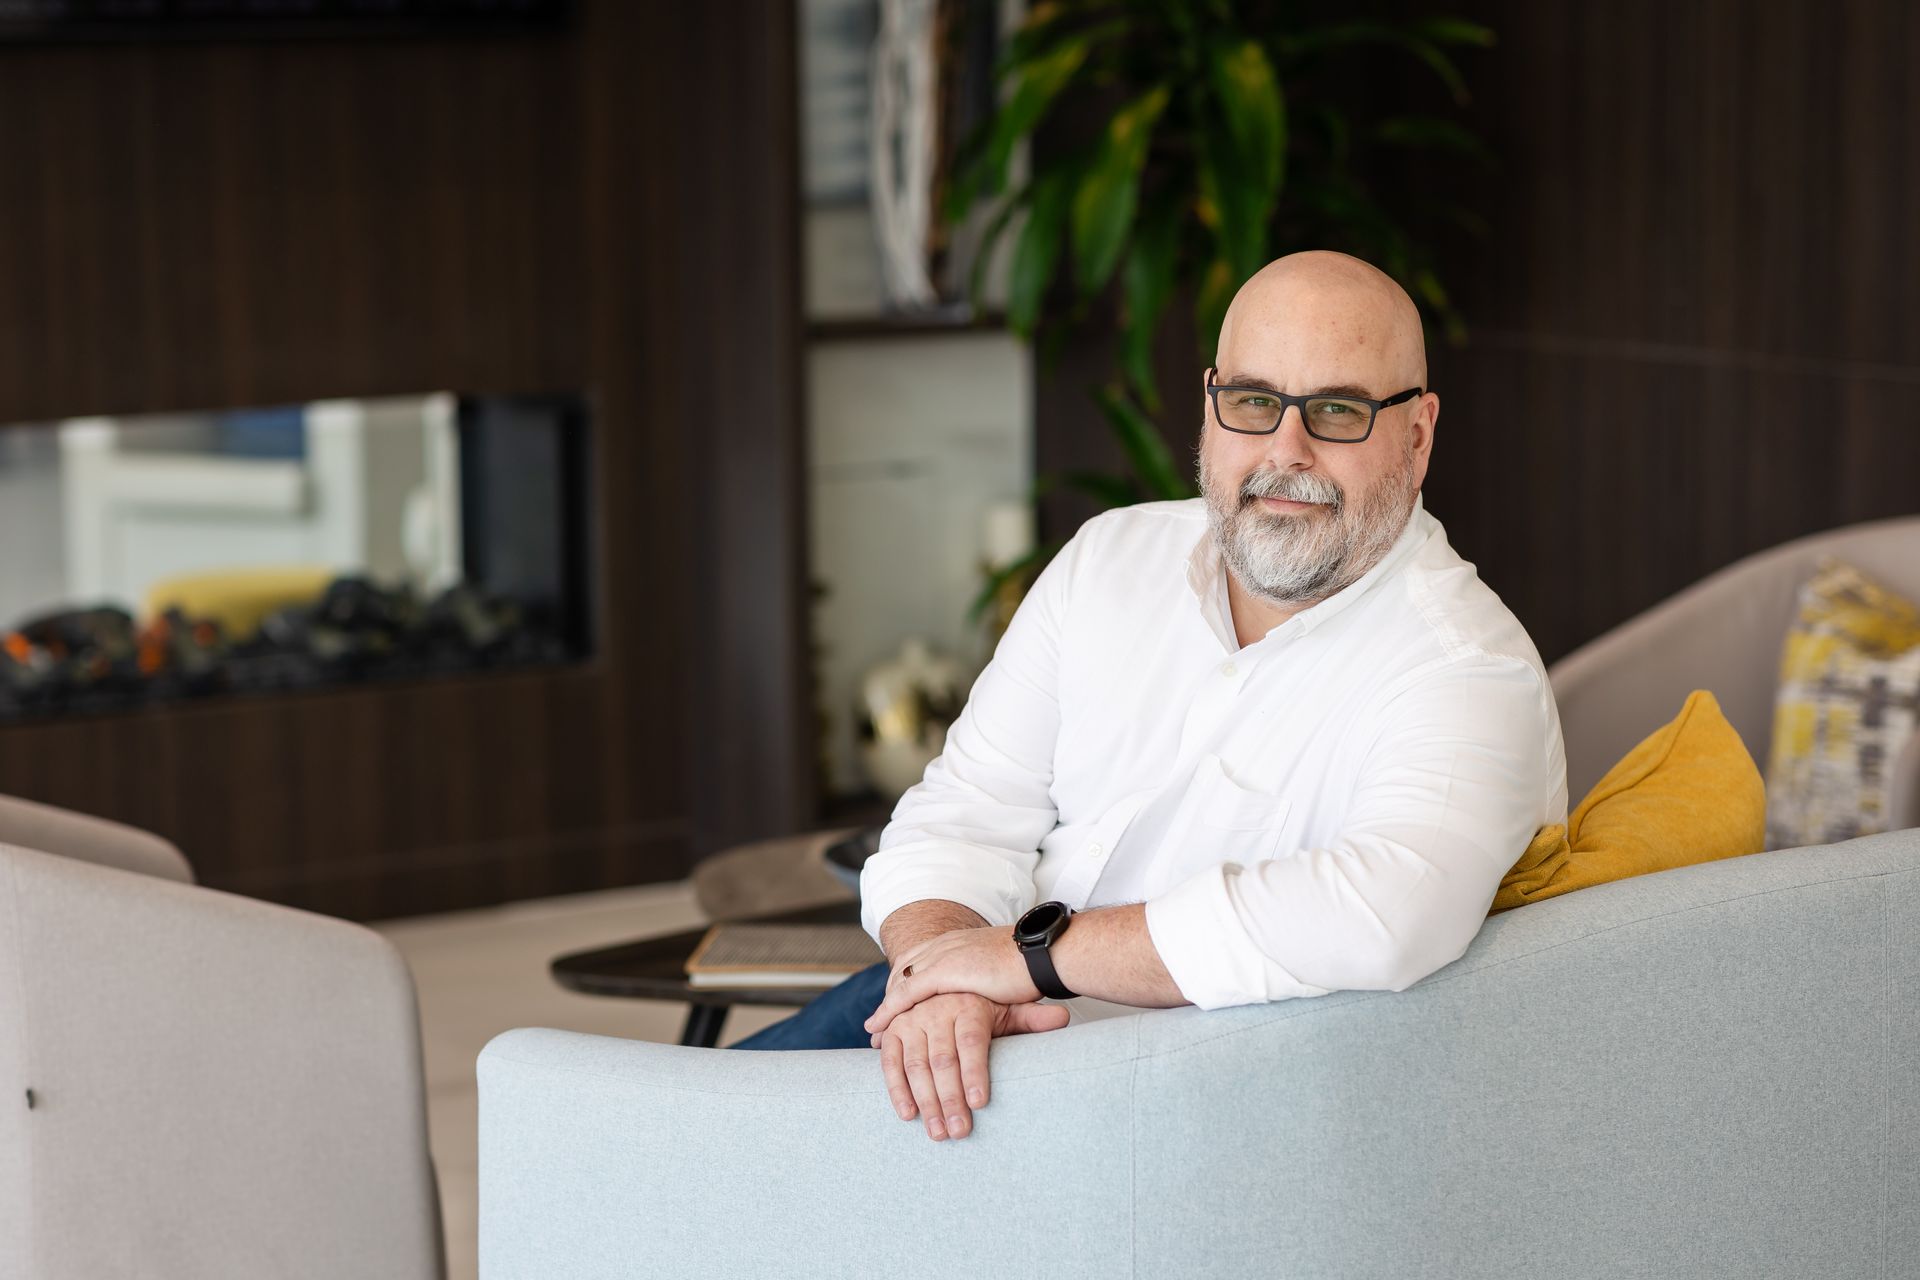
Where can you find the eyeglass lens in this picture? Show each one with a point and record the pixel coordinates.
(1328, 417)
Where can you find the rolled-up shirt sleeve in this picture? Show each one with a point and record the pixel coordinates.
(1450, 793)
(970, 831)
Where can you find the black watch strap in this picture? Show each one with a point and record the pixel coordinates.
(1045, 976)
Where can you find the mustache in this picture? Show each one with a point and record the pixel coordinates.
(1294, 486)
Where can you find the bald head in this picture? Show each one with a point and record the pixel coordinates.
(1327, 317)
(1297, 516)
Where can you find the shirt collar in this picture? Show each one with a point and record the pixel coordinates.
(1207, 578)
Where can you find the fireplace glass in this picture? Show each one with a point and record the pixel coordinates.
(157, 557)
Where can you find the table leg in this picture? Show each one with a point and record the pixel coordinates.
(704, 1021)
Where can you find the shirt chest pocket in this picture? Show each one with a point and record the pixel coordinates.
(1220, 821)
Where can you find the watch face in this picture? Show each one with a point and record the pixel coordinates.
(1040, 923)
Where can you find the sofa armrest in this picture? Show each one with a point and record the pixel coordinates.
(1708, 1070)
(1903, 786)
(220, 1087)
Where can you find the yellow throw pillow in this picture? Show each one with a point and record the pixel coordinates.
(237, 599)
(1849, 694)
(1689, 793)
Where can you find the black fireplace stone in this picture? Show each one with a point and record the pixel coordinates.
(99, 659)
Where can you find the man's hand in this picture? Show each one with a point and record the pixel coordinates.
(984, 962)
(935, 1055)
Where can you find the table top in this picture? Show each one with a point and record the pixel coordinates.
(655, 968)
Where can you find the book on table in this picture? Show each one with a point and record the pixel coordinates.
(780, 955)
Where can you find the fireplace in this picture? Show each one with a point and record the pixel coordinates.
(153, 559)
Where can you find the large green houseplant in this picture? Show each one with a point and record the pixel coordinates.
(1228, 132)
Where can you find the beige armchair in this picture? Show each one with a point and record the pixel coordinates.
(1724, 633)
(194, 1084)
(105, 844)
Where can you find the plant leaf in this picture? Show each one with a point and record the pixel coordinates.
(1437, 133)
(1337, 129)
(1037, 251)
(1147, 452)
(1045, 22)
(1442, 65)
(989, 239)
(1046, 26)
(1256, 119)
(1243, 169)
(1104, 205)
(1408, 37)
(1427, 285)
(1147, 283)
(1428, 288)
(1444, 30)
(1216, 291)
(1108, 491)
(1041, 82)
(1216, 207)
(1339, 34)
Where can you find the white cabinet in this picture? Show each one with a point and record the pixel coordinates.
(913, 440)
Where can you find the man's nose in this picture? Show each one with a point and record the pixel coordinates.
(1289, 447)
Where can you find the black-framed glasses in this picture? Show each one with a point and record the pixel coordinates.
(1257, 411)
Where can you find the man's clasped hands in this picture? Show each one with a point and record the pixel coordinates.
(955, 985)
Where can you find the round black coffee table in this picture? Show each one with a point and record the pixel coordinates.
(655, 969)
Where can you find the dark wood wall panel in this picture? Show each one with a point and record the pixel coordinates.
(212, 225)
(1703, 175)
(1626, 491)
(1693, 333)
(1698, 285)
(217, 224)
(728, 386)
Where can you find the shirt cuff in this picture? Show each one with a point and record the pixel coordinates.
(918, 872)
(1196, 929)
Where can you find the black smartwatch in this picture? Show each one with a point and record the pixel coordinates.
(1034, 935)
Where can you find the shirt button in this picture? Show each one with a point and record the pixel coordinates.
(1093, 850)
(1229, 670)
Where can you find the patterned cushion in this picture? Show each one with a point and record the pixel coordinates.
(1848, 701)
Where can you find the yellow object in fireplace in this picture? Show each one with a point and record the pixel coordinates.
(237, 599)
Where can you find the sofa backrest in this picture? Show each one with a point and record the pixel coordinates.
(87, 839)
(1724, 633)
(1688, 1073)
(1710, 1071)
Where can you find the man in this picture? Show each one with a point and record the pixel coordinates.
(1273, 742)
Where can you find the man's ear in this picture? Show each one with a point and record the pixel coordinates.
(1429, 417)
(1426, 417)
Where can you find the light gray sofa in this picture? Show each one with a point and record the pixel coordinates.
(1713, 1071)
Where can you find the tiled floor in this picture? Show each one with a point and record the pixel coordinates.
(483, 972)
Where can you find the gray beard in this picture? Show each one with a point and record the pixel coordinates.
(1302, 560)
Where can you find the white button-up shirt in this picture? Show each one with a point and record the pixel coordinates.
(1328, 808)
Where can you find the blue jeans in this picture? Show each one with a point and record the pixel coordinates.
(832, 1020)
